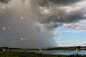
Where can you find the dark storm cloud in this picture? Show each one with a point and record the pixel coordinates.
(52, 25)
(58, 2)
(69, 18)
(54, 6)
(4, 1)
(64, 2)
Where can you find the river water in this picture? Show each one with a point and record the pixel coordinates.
(61, 52)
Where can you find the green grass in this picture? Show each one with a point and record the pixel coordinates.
(33, 54)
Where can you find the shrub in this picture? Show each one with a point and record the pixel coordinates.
(0, 48)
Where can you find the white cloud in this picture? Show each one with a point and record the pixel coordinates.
(83, 21)
(74, 26)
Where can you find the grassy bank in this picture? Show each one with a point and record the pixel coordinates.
(33, 54)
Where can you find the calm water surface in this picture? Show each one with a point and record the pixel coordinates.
(61, 52)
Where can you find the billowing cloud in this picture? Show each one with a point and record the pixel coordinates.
(58, 2)
(59, 11)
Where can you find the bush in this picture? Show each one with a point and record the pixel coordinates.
(0, 48)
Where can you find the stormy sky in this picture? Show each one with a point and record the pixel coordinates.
(37, 23)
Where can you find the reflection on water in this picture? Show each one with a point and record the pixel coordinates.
(63, 52)
(82, 52)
